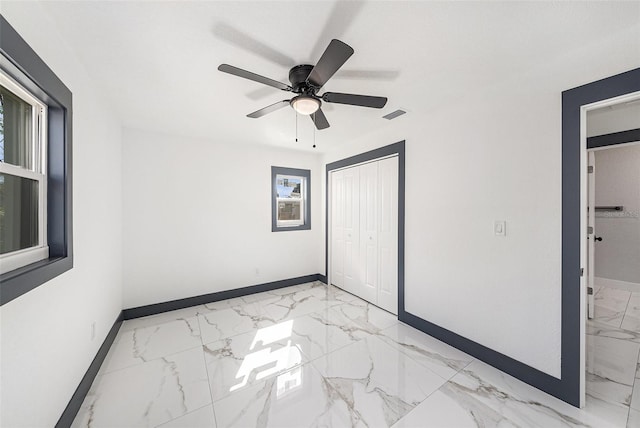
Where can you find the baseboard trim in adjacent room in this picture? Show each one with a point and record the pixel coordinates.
(158, 308)
(617, 284)
(70, 412)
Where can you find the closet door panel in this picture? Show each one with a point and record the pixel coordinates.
(368, 289)
(337, 228)
(388, 234)
(364, 232)
(351, 229)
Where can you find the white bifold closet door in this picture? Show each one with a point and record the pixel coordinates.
(364, 231)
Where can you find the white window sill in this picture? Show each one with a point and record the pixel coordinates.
(18, 259)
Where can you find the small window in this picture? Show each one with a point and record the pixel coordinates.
(23, 180)
(36, 226)
(290, 199)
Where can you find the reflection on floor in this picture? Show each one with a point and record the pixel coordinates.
(613, 351)
(312, 355)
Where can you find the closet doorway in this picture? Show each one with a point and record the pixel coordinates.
(363, 230)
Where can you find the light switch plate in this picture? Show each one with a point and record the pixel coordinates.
(500, 228)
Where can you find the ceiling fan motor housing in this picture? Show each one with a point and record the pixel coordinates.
(298, 78)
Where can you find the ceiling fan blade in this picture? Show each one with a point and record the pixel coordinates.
(336, 54)
(354, 100)
(273, 107)
(384, 75)
(319, 119)
(236, 37)
(343, 14)
(226, 68)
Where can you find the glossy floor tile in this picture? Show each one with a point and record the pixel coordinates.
(317, 356)
(147, 394)
(234, 320)
(635, 399)
(442, 359)
(480, 396)
(610, 305)
(149, 343)
(200, 418)
(596, 329)
(320, 333)
(237, 362)
(613, 355)
(378, 384)
(634, 419)
(300, 397)
(631, 320)
(612, 359)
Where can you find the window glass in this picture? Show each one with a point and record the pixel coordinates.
(23, 210)
(16, 130)
(289, 187)
(289, 210)
(18, 213)
(290, 198)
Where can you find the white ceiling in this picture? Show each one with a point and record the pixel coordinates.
(156, 62)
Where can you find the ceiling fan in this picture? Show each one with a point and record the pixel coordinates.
(306, 80)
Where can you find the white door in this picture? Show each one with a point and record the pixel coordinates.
(591, 232)
(388, 234)
(337, 228)
(368, 289)
(351, 230)
(364, 231)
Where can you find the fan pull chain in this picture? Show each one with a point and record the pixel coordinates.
(296, 127)
(314, 129)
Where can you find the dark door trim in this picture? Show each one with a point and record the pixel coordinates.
(572, 102)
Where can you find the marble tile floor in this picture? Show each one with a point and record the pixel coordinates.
(613, 351)
(617, 308)
(312, 355)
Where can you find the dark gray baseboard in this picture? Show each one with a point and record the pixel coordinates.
(158, 308)
(72, 408)
(515, 368)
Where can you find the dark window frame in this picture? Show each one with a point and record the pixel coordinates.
(19, 61)
(278, 170)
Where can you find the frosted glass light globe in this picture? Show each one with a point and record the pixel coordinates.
(305, 104)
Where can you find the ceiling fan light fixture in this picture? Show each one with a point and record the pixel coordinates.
(305, 104)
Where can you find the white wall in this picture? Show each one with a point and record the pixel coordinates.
(493, 154)
(197, 218)
(618, 183)
(46, 333)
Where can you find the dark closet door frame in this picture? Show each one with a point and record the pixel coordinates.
(396, 149)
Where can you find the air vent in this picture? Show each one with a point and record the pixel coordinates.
(394, 114)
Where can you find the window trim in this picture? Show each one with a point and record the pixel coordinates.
(276, 226)
(23, 65)
(19, 258)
